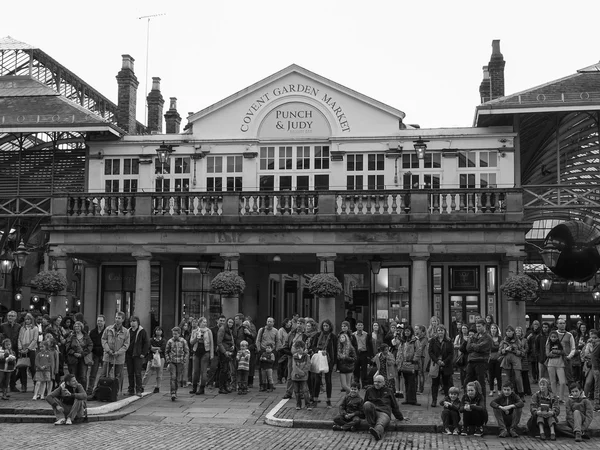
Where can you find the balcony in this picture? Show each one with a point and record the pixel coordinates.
(279, 207)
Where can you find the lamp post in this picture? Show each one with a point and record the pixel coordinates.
(6, 266)
(420, 147)
(375, 265)
(545, 281)
(163, 153)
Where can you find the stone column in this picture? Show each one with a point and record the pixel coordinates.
(230, 305)
(89, 298)
(516, 310)
(327, 306)
(142, 287)
(420, 302)
(58, 304)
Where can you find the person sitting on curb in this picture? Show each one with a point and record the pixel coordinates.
(380, 404)
(68, 401)
(580, 414)
(351, 410)
(507, 408)
(451, 411)
(545, 409)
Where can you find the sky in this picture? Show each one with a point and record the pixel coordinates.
(422, 57)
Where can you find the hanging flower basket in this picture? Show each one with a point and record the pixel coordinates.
(520, 287)
(228, 283)
(49, 281)
(325, 285)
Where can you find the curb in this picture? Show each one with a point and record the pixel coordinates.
(115, 406)
(276, 422)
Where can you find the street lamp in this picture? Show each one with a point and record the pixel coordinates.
(545, 281)
(596, 292)
(20, 255)
(375, 264)
(163, 153)
(6, 263)
(77, 265)
(420, 147)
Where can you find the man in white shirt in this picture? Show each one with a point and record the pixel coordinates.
(568, 344)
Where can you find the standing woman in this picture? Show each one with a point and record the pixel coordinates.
(432, 329)
(203, 351)
(580, 342)
(226, 347)
(157, 345)
(512, 350)
(27, 346)
(326, 343)
(78, 345)
(494, 369)
(377, 337)
(346, 359)
(282, 362)
(524, 361)
(489, 321)
(407, 361)
(186, 333)
(441, 353)
(532, 353)
(556, 365)
(311, 333)
(460, 357)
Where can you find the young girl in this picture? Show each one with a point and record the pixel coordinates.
(494, 369)
(157, 345)
(7, 366)
(243, 361)
(44, 362)
(556, 363)
(545, 409)
(450, 413)
(472, 407)
(524, 360)
(512, 350)
(346, 358)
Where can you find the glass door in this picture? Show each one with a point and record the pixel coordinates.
(464, 307)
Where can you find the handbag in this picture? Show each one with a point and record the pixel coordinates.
(23, 361)
(318, 363)
(434, 370)
(460, 360)
(156, 362)
(88, 359)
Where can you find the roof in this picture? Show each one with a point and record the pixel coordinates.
(294, 68)
(28, 105)
(8, 43)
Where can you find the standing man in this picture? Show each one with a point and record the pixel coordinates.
(478, 350)
(379, 406)
(351, 320)
(10, 329)
(569, 347)
(421, 335)
(540, 346)
(115, 342)
(97, 351)
(139, 345)
(364, 353)
(213, 370)
(266, 335)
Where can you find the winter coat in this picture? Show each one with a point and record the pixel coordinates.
(177, 351)
(503, 400)
(454, 405)
(96, 337)
(28, 338)
(512, 350)
(477, 403)
(139, 344)
(478, 347)
(583, 404)
(300, 366)
(409, 355)
(540, 347)
(345, 363)
(82, 347)
(444, 352)
(116, 341)
(352, 405)
(327, 342)
(524, 357)
(225, 342)
(391, 369)
(8, 360)
(495, 348)
(544, 402)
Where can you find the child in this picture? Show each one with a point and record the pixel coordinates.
(7, 366)
(243, 361)
(451, 411)
(299, 375)
(176, 354)
(507, 408)
(351, 411)
(44, 370)
(475, 414)
(580, 413)
(545, 409)
(267, 361)
(55, 355)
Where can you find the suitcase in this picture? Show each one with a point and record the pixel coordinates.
(107, 389)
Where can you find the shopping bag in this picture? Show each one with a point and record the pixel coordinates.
(23, 362)
(318, 363)
(156, 362)
(434, 370)
(88, 359)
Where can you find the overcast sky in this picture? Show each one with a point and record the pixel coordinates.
(422, 57)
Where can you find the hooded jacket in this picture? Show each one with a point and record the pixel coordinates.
(139, 344)
(583, 404)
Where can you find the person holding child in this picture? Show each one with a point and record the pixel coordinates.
(507, 408)
(473, 409)
(8, 361)
(351, 410)
(451, 411)
(545, 409)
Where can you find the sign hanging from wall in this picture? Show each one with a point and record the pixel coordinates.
(295, 119)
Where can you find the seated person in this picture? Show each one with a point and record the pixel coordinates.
(545, 409)
(351, 411)
(68, 401)
(473, 409)
(379, 406)
(451, 411)
(507, 411)
(580, 412)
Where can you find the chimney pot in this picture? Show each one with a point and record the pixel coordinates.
(127, 62)
(172, 117)
(127, 96)
(155, 103)
(156, 83)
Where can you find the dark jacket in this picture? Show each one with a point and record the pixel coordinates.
(477, 403)
(384, 401)
(444, 352)
(139, 344)
(56, 397)
(215, 333)
(479, 347)
(96, 337)
(162, 344)
(327, 342)
(540, 347)
(454, 405)
(11, 332)
(584, 405)
(368, 343)
(503, 400)
(548, 403)
(352, 405)
(225, 342)
(74, 346)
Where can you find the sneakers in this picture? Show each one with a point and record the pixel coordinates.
(514, 433)
(309, 407)
(328, 403)
(337, 428)
(552, 436)
(503, 434)
(60, 422)
(464, 432)
(68, 421)
(491, 393)
(173, 397)
(433, 404)
(139, 394)
(455, 432)
(478, 432)
(578, 436)
(447, 431)
(375, 434)
(543, 436)
(286, 396)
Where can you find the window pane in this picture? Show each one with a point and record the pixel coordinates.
(359, 162)
(108, 167)
(267, 182)
(350, 163)
(350, 182)
(471, 159)
(210, 164)
(126, 166)
(322, 182)
(302, 183)
(483, 159)
(285, 183)
(135, 166)
(116, 168)
(462, 159)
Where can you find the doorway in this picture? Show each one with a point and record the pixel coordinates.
(464, 307)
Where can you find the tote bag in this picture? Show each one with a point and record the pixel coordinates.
(156, 362)
(318, 363)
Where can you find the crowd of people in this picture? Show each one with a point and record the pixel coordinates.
(390, 362)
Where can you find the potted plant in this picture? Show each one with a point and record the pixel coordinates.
(325, 285)
(49, 281)
(228, 283)
(520, 287)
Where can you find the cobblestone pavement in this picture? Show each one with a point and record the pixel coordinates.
(140, 434)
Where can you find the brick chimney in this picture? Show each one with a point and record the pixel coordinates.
(155, 107)
(492, 85)
(128, 84)
(172, 117)
(485, 87)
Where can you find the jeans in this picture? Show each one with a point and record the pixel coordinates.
(510, 421)
(495, 374)
(267, 376)
(225, 368)
(77, 410)
(282, 369)
(199, 373)
(79, 369)
(134, 373)
(316, 387)
(435, 385)
(93, 371)
(22, 372)
(213, 370)
(176, 373)
(476, 372)
(345, 423)
(450, 418)
(410, 387)
(474, 418)
(242, 380)
(150, 370)
(360, 369)
(543, 371)
(301, 390)
(376, 419)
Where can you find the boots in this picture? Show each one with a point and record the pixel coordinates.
(200, 390)
(270, 387)
(263, 387)
(298, 402)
